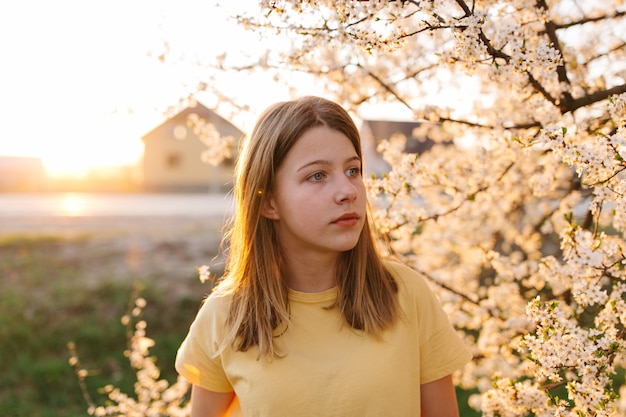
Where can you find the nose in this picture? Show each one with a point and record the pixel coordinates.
(346, 190)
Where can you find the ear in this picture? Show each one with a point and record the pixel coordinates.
(269, 210)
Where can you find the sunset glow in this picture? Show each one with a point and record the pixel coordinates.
(73, 204)
(78, 94)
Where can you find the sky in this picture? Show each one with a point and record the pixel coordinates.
(81, 82)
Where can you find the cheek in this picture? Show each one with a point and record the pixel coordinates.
(361, 189)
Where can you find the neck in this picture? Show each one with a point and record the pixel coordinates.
(311, 274)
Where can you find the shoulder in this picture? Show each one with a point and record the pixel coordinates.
(209, 325)
(423, 314)
(215, 307)
(407, 278)
(415, 294)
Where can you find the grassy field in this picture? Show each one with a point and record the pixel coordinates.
(56, 288)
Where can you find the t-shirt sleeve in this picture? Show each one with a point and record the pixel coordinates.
(442, 351)
(197, 359)
(442, 354)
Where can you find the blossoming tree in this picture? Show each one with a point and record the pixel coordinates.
(520, 225)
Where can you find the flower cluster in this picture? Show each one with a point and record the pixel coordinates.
(218, 147)
(153, 397)
(204, 273)
(585, 359)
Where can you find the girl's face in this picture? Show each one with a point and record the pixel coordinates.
(318, 203)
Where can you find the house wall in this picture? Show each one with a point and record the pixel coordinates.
(419, 139)
(373, 163)
(21, 174)
(172, 156)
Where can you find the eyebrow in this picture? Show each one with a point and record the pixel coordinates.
(326, 162)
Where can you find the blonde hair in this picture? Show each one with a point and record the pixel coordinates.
(254, 266)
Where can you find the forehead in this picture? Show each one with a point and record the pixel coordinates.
(320, 143)
(321, 140)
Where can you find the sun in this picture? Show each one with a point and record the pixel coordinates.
(96, 141)
(62, 165)
(73, 204)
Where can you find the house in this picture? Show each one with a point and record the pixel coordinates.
(172, 158)
(420, 137)
(20, 173)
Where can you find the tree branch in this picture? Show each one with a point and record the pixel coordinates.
(386, 87)
(589, 99)
(615, 15)
(493, 52)
(556, 43)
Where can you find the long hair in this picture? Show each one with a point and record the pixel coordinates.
(254, 267)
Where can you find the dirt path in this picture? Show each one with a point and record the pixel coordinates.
(163, 250)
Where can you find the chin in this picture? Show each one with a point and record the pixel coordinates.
(347, 247)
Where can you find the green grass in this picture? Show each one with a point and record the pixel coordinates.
(46, 301)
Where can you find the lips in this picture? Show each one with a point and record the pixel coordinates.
(348, 219)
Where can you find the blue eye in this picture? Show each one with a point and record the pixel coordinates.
(353, 172)
(318, 176)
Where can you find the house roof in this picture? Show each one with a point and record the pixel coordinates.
(200, 109)
(385, 129)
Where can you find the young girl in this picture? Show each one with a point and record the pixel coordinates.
(308, 320)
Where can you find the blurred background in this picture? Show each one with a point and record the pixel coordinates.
(104, 195)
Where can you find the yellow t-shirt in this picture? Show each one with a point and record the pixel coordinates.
(329, 369)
